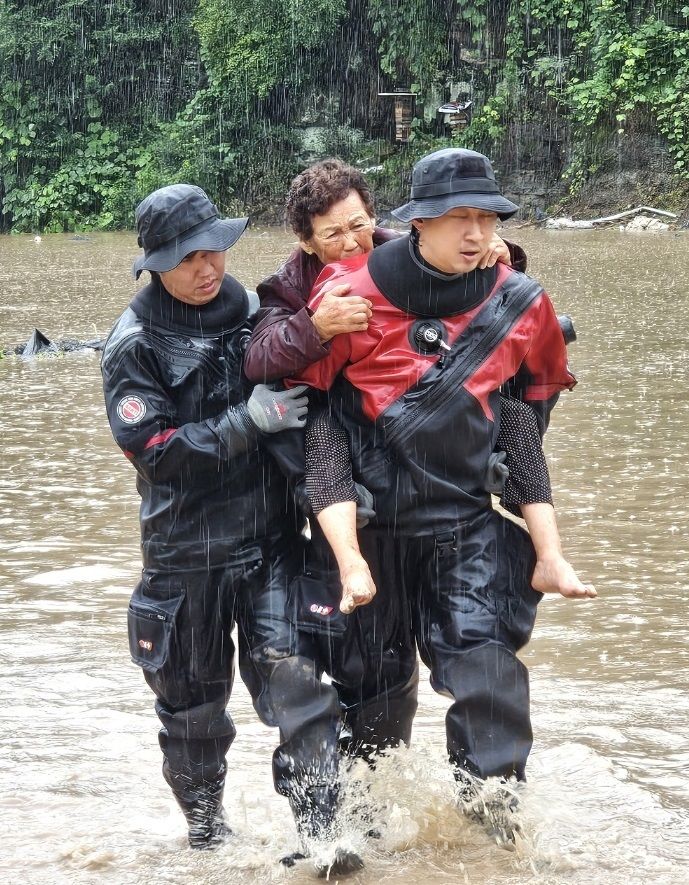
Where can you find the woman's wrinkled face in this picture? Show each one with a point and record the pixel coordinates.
(455, 242)
(197, 278)
(344, 231)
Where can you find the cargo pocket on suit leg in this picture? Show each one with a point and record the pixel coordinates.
(151, 627)
(313, 604)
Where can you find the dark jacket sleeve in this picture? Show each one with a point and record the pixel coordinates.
(285, 340)
(146, 427)
(283, 344)
(517, 256)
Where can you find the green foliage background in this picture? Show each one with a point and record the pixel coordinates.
(103, 100)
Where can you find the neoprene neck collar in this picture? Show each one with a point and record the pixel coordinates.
(418, 288)
(155, 306)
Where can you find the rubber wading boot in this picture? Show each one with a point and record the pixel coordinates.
(314, 811)
(205, 816)
(206, 835)
(341, 863)
(290, 860)
(344, 862)
(492, 806)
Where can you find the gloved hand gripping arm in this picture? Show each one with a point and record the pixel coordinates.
(274, 410)
(266, 410)
(159, 443)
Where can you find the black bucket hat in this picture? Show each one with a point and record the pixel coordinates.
(453, 177)
(179, 219)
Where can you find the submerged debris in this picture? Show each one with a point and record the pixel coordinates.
(38, 344)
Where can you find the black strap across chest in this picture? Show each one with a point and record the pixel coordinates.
(472, 347)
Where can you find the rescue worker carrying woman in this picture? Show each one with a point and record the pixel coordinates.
(419, 394)
(220, 533)
(371, 656)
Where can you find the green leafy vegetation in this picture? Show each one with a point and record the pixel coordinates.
(100, 102)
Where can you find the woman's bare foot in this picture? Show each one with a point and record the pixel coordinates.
(357, 586)
(556, 575)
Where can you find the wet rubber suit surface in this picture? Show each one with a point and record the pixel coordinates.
(422, 427)
(370, 654)
(285, 340)
(221, 543)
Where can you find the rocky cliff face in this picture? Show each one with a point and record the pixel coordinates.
(625, 172)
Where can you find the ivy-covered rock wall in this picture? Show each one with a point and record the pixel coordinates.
(100, 102)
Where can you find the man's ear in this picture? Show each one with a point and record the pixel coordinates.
(418, 224)
(306, 246)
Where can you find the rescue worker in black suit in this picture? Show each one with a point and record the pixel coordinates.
(220, 532)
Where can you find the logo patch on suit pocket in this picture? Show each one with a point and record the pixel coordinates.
(324, 610)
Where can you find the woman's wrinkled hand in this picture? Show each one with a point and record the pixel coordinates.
(340, 313)
(497, 251)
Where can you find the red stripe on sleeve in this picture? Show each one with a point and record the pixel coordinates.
(160, 437)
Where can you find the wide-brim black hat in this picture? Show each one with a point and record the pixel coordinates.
(454, 177)
(177, 220)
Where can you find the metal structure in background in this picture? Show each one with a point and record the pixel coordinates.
(404, 105)
(456, 114)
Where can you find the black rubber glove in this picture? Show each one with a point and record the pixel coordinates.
(364, 506)
(497, 473)
(274, 410)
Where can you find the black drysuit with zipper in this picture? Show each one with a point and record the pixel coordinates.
(422, 423)
(221, 543)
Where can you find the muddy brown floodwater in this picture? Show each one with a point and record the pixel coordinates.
(81, 795)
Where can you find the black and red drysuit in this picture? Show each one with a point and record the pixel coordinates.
(370, 655)
(221, 544)
(419, 394)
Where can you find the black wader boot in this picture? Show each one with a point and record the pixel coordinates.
(306, 763)
(202, 808)
(315, 811)
(495, 807)
(381, 722)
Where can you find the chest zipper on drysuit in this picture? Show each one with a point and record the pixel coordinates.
(212, 358)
